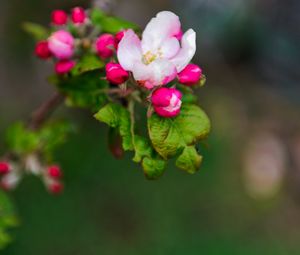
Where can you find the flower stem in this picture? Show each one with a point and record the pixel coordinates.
(132, 120)
(40, 115)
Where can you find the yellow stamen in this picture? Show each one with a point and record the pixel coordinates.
(149, 57)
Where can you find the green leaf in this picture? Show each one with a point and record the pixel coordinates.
(153, 167)
(189, 160)
(86, 100)
(20, 140)
(142, 149)
(88, 63)
(117, 116)
(8, 219)
(97, 15)
(37, 31)
(84, 91)
(53, 135)
(114, 25)
(110, 24)
(173, 136)
(189, 98)
(86, 82)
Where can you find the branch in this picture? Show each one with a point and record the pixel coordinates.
(40, 115)
(117, 91)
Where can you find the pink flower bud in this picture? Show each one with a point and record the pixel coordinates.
(118, 37)
(61, 44)
(105, 45)
(54, 171)
(42, 50)
(166, 102)
(4, 167)
(78, 15)
(59, 17)
(64, 66)
(115, 74)
(190, 75)
(56, 187)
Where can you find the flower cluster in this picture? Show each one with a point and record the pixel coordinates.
(61, 43)
(11, 174)
(154, 62)
(162, 55)
(107, 65)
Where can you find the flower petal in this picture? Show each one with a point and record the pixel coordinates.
(170, 48)
(129, 50)
(159, 72)
(165, 25)
(187, 51)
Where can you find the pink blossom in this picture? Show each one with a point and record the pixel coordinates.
(159, 56)
(42, 50)
(4, 167)
(10, 180)
(190, 75)
(167, 102)
(55, 187)
(115, 74)
(61, 44)
(59, 17)
(118, 37)
(54, 172)
(64, 66)
(105, 45)
(78, 15)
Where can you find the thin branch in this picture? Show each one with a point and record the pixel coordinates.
(132, 121)
(45, 110)
(117, 91)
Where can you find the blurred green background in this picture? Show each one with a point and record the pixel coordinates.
(246, 197)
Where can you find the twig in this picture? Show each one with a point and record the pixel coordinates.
(132, 121)
(44, 111)
(119, 92)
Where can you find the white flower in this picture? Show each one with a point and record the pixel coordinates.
(160, 55)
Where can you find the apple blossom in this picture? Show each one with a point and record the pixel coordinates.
(59, 17)
(4, 167)
(61, 44)
(64, 66)
(10, 181)
(190, 75)
(118, 37)
(78, 15)
(33, 164)
(159, 56)
(56, 187)
(115, 74)
(166, 102)
(105, 45)
(42, 50)
(54, 171)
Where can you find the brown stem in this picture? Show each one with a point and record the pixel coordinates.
(119, 92)
(42, 113)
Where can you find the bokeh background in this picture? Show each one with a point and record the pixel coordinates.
(246, 198)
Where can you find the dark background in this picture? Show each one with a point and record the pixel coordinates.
(246, 198)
